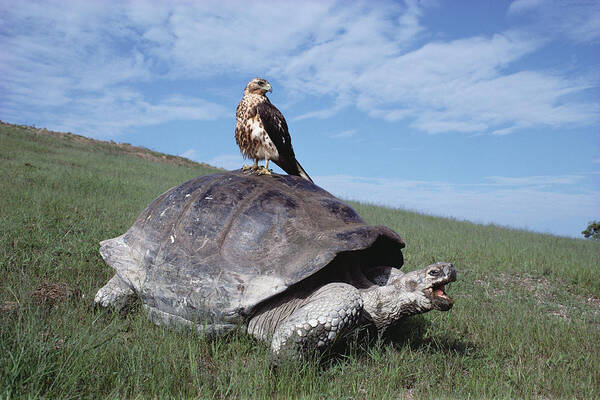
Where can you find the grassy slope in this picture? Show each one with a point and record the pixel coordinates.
(526, 321)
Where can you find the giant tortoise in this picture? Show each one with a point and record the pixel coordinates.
(274, 254)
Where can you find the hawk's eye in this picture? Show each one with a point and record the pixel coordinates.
(434, 272)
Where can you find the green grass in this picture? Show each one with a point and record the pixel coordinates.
(526, 322)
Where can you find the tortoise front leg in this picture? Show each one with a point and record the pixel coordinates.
(116, 294)
(326, 315)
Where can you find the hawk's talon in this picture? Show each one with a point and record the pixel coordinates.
(263, 171)
(252, 167)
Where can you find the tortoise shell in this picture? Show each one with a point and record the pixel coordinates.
(214, 247)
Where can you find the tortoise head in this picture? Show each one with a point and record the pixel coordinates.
(427, 285)
(397, 295)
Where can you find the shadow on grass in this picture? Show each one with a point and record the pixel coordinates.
(413, 332)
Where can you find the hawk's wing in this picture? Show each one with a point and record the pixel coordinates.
(277, 129)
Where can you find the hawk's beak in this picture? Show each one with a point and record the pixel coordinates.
(270, 89)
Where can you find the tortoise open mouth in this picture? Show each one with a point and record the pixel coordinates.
(440, 299)
(438, 296)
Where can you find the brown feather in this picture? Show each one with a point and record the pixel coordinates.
(261, 131)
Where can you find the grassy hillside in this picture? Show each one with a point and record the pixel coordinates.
(526, 323)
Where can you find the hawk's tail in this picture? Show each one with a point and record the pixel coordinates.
(293, 167)
(302, 172)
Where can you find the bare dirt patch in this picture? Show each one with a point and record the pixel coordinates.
(51, 294)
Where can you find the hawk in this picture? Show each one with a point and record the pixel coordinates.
(262, 133)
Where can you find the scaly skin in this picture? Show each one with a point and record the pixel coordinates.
(302, 323)
(115, 293)
(326, 315)
(305, 320)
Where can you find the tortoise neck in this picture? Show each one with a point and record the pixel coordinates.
(384, 305)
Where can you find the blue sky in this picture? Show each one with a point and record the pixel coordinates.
(480, 110)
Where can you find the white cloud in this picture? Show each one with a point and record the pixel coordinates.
(225, 161)
(517, 202)
(325, 112)
(73, 65)
(504, 131)
(460, 86)
(344, 134)
(72, 54)
(579, 20)
(190, 154)
(228, 161)
(536, 180)
(113, 112)
(519, 6)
